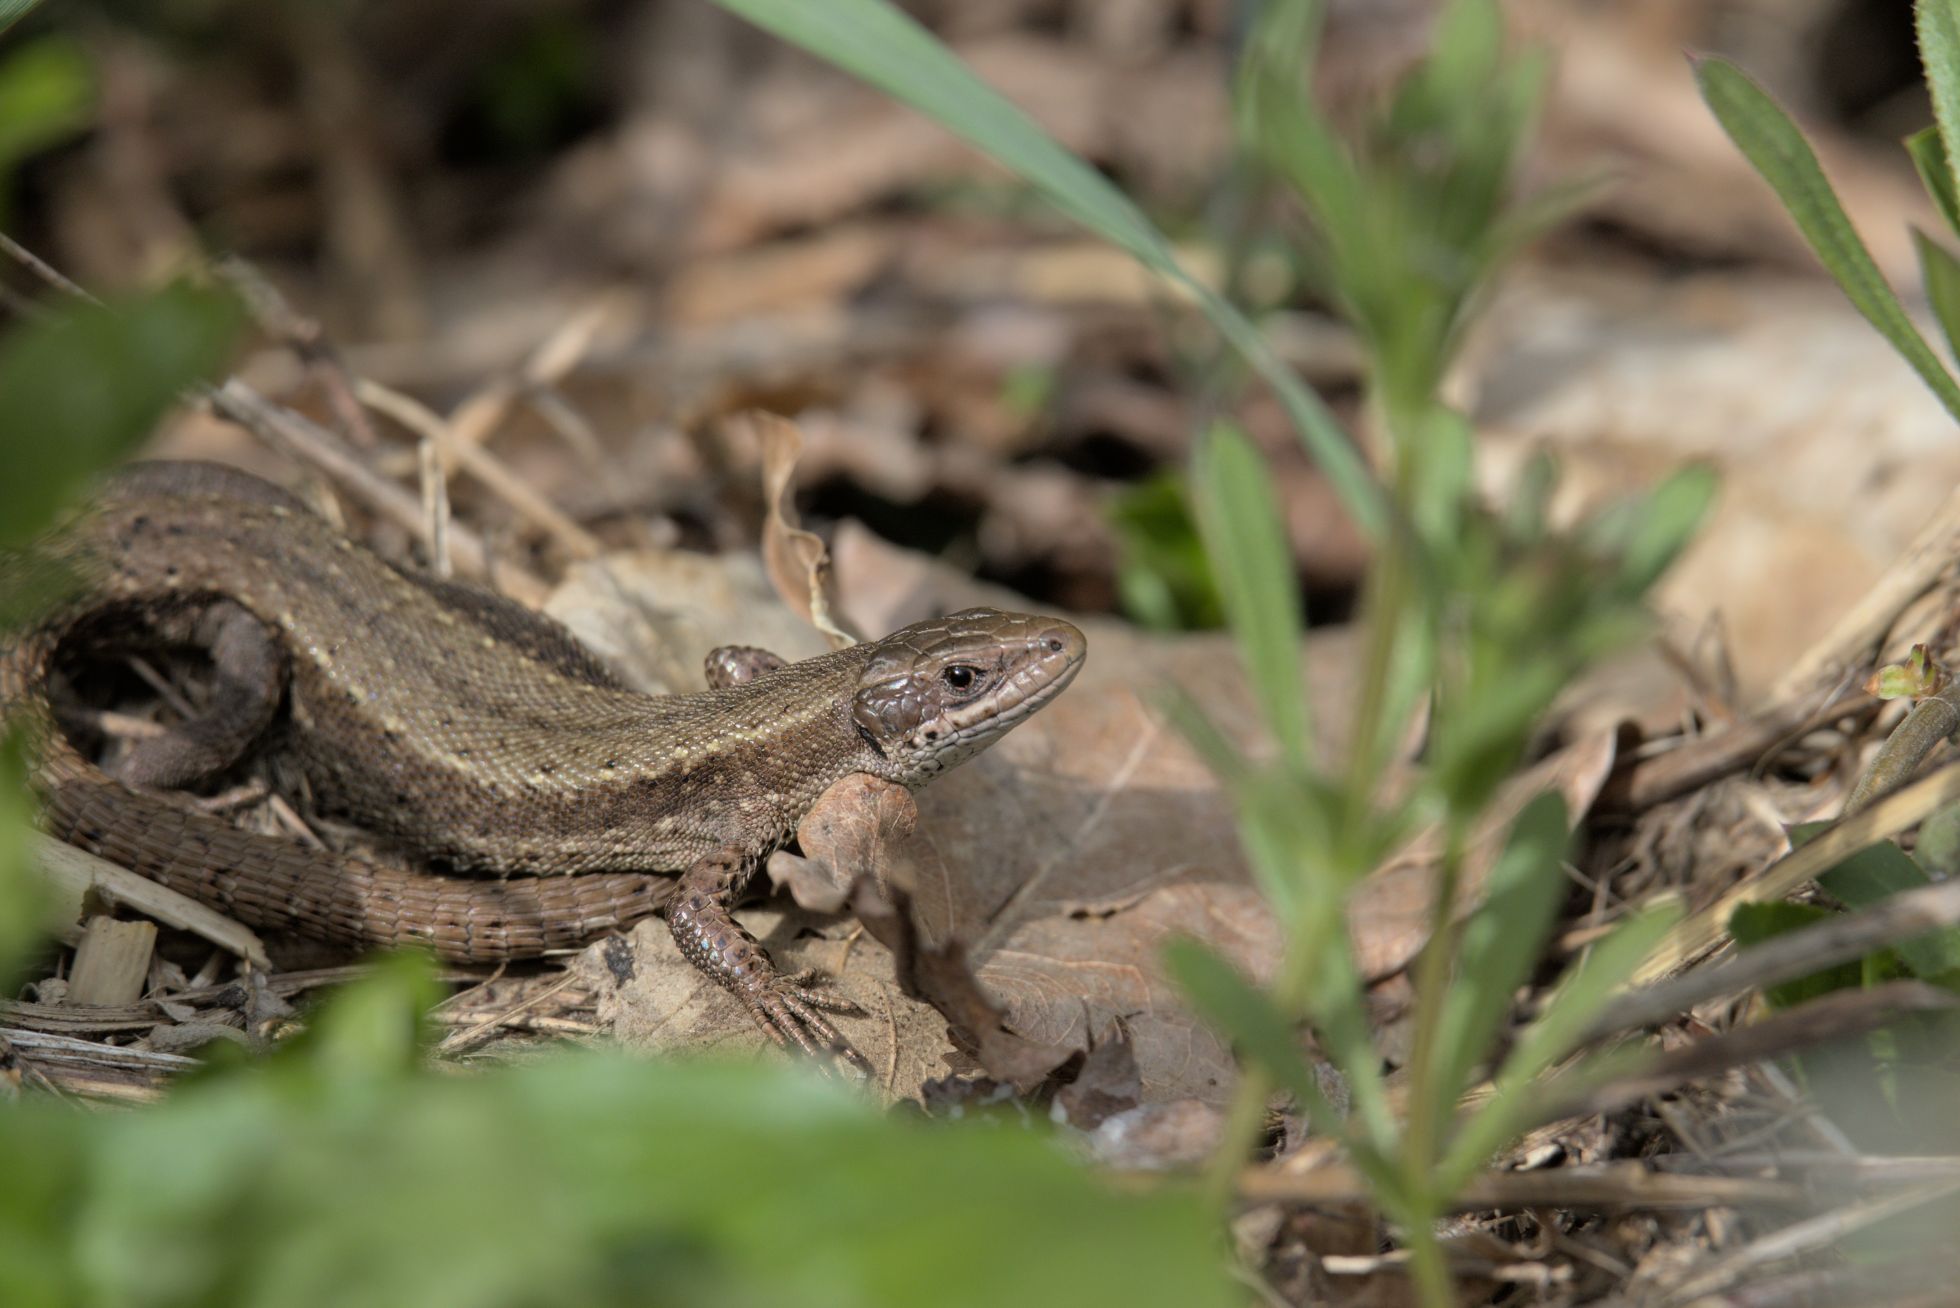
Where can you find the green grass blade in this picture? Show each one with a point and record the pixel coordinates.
(1940, 272)
(1935, 174)
(1938, 25)
(1258, 1029)
(1581, 994)
(1502, 939)
(1253, 567)
(12, 11)
(1779, 152)
(875, 41)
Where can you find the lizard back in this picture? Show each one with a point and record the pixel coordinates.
(460, 729)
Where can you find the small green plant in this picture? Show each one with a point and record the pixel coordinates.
(1476, 617)
(341, 1170)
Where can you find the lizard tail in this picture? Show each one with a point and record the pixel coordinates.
(275, 884)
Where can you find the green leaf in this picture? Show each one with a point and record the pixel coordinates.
(1940, 272)
(1651, 532)
(1938, 28)
(1935, 173)
(1582, 992)
(21, 892)
(1875, 874)
(1502, 939)
(12, 11)
(1230, 1003)
(46, 93)
(81, 388)
(1751, 924)
(1938, 847)
(1779, 152)
(580, 1179)
(1253, 566)
(1165, 578)
(880, 44)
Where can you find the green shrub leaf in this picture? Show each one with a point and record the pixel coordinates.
(1935, 173)
(581, 1179)
(82, 387)
(1502, 940)
(1938, 26)
(1779, 152)
(1940, 272)
(1253, 567)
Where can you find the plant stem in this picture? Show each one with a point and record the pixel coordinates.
(1427, 1266)
(1434, 968)
(1931, 720)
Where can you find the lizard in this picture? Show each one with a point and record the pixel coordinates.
(477, 733)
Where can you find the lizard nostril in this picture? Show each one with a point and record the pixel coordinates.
(1055, 644)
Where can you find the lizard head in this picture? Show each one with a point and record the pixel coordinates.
(940, 691)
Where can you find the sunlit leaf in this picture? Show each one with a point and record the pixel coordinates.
(1779, 152)
(1940, 272)
(1937, 23)
(1501, 942)
(1935, 174)
(1253, 566)
(1581, 994)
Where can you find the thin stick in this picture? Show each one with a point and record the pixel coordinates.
(486, 467)
(303, 439)
(1697, 935)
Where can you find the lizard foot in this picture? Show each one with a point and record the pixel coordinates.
(791, 1012)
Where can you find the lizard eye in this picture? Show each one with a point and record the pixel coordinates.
(961, 677)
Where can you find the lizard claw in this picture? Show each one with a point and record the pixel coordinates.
(806, 986)
(789, 1012)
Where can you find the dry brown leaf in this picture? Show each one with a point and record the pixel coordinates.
(797, 562)
(846, 836)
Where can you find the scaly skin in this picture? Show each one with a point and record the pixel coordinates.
(471, 730)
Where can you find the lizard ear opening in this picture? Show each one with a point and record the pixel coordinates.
(886, 711)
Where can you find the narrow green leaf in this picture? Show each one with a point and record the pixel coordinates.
(1751, 924)
(1779, 152)
(880, 44)
(12, 11)
(82, 387)
(1875, 874)
(1582, 992)
(1938, 27)
(1230, 1002)
(1252, 564)
(1935, 174)
(1940, 272)
(1502, 940)
(21, 895)
(46, 87)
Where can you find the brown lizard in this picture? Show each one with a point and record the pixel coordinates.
(475, 732)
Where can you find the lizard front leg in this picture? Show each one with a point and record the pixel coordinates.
(788, 1010)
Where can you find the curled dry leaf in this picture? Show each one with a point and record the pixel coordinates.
(797, 562)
